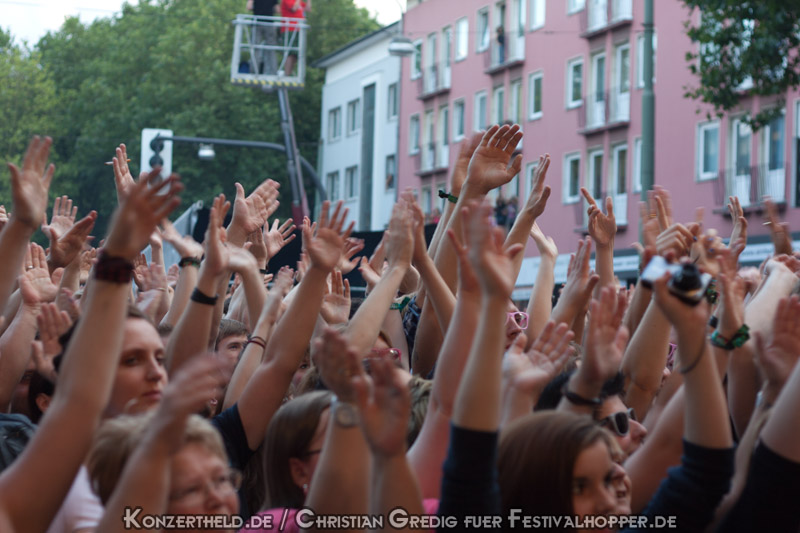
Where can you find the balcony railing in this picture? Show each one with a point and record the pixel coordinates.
(510, 53)
(261, 47)
(751, 184)
(601, 16)
(603, 110)
(435, 80)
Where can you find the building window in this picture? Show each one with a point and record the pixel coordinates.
(413, 135)
(620, 169)
(640, 60)
(742, 146)
(353, 116)
(637, 164)
(416, 60)
(537, 13)
(480, 111)
(351, 181)
(575, 82)
(515, 102)
(332, 184)
(595, 179)
(462, 38)
(392, 101)
(391, 171)
(572, 178)
(482, 37)
(535, 96)
(498, 104)
(575, 5)
(426, 200)
(334, 124)
(707, 150)
(458, 120)
(773, 144)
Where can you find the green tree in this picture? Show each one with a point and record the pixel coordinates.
(745, 47)
(27, 102)
(166, 64)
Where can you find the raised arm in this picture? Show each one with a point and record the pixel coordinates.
(29, 187)
(534, 207)
(602, 228)
(86, 374)
(266, 389)
(190, 252)
(540, 304)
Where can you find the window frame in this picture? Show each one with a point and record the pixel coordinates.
(459, 103)
(354, 105)
(571, 64)
(335, 111)
(534, 3)
(458, 40)
(351, 187)
(575, 6)
(480, 45)
(478, 124)
(532, 77)
(334, 192)
(636, 178)
(393, 102)
(640, 59)
(566, 198)
(416, 70)
(700, 146)
(413, 147)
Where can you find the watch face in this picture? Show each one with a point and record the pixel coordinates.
(346, 415)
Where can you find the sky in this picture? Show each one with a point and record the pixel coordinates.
(29, 20)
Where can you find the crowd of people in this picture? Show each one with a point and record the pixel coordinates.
(281, 400)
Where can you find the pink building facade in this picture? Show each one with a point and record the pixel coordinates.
(570, 73)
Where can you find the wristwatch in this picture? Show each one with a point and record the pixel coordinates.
(344, 414)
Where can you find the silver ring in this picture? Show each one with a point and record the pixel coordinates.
(29, 267)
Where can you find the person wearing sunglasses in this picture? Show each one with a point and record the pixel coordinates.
(620, 420)
(516, 323)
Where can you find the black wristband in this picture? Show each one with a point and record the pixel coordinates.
(263, 271)
(577, 399)
(189, 261)
(113, 269)
(199, 297)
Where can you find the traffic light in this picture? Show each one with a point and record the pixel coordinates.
(156, 152)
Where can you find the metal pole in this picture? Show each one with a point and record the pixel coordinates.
(648, 105)
(254, 144)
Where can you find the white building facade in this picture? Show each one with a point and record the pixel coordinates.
(359, 128)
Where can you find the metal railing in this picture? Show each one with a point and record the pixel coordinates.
(261, 47)
(751, 184)
(434, 80)
(604, 108)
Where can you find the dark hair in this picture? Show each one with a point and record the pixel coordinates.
(289, 435)
(38, 385)
(229, 328)
(536, 458)
(133, 312)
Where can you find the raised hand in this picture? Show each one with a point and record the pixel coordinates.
(140, 213)
(325, 246)
(336, 302)
(338, 364)
(546, 245)
(468, 147)
(399, 236)
(194, 385)
(580, 284)
(63, 217)
(739, 222)
(537, 200)
(278, 236)
(29, 186)
(685, 318)
(251, 213)
(255, 245)
(52, 323)
(781, 236)
(778, 355)
(385, 406)
(531, 371)
(185, 245)
(493, 265)
(123, 179)
(64, 249)
(732, 291)
(87, 259)
(3, 217)
(215, 261)
(240, 260)
(606, 338)
(35, 284)
(347, 262)
(368, 272)
(602, 227)
(489, 168)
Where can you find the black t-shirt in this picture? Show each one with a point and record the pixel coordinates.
(264, 7)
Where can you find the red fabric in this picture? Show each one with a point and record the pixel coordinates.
(287, 7)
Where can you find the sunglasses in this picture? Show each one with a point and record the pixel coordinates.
(620, 422)
(520, 318)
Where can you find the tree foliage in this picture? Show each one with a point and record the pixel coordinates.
(745, 47)
(161, 64)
